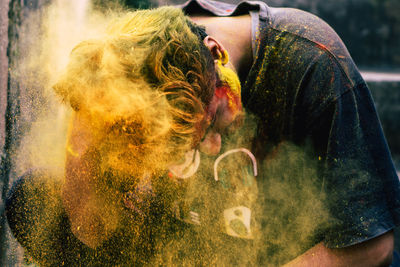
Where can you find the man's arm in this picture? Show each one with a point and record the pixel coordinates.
(375, 252)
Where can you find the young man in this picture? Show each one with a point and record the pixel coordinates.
(150, 92)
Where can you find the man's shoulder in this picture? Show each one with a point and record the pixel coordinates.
(305, 25)
(300, 34)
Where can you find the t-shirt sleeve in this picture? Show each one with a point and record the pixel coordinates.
(359, 178)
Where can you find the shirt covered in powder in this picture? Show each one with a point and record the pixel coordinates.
(305, 89)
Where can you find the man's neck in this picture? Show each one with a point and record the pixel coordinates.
(234, 33)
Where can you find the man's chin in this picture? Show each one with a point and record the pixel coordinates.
(211, 145)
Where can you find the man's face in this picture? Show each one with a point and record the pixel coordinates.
(223, 111)
(225, 106)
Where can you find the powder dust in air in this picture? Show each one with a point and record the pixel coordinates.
(287, 204)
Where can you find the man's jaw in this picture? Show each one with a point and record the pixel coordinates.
(211, 144)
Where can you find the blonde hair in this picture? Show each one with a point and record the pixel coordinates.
(144, 86)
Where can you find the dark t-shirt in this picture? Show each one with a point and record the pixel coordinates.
(305, 89)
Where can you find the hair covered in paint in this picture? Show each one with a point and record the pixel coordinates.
(144, 88)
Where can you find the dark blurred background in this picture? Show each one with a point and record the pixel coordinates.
(369, 28)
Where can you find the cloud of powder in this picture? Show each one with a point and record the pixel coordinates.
(288, 203)
(46, 38)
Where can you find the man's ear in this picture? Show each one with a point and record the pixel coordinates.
(215, 47)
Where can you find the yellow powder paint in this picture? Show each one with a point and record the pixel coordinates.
(286, 202)
(51, 33)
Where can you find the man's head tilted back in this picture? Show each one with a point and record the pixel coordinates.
(143, 89)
